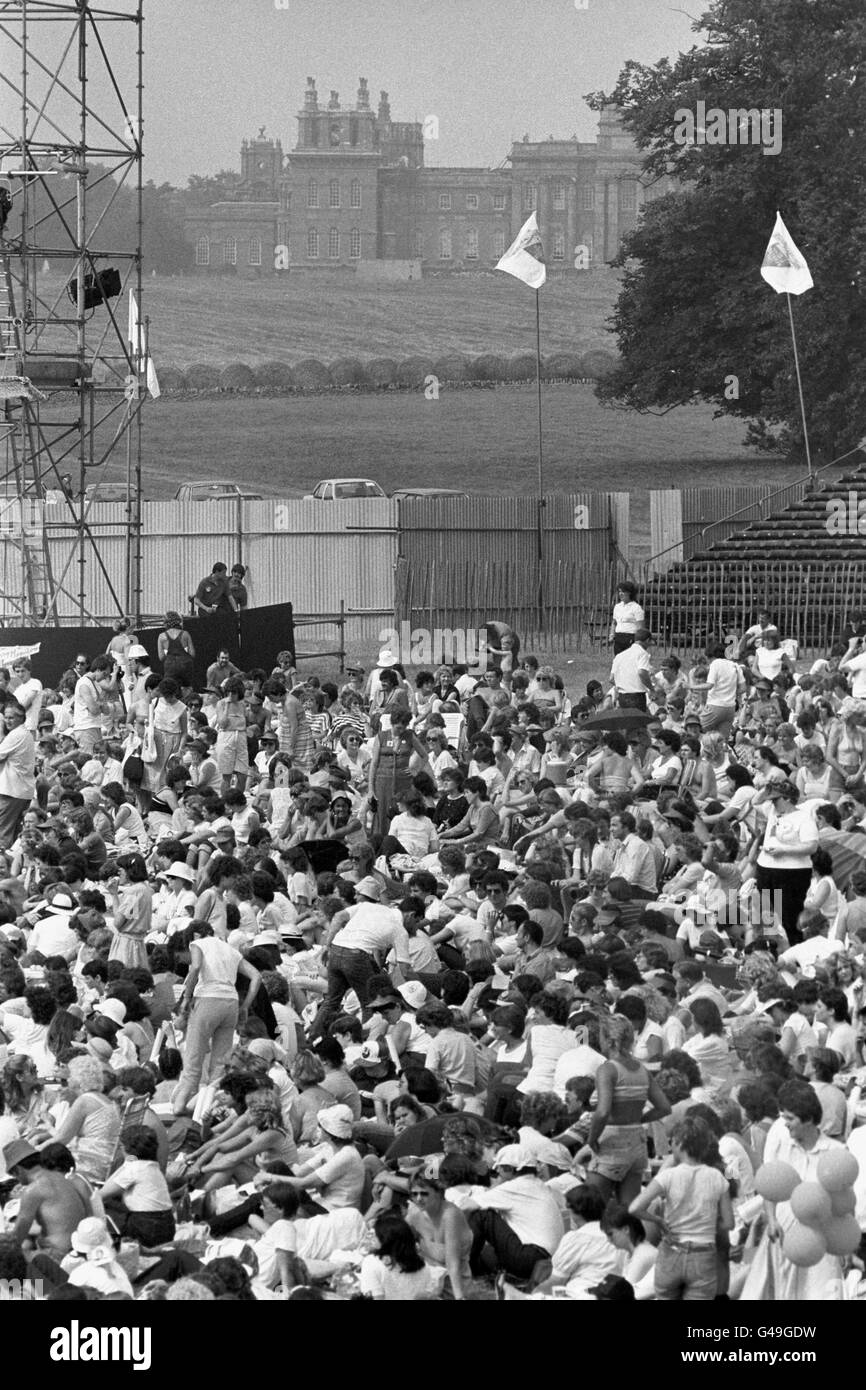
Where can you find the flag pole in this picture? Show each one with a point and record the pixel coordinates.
(540, 504)
(799, 385)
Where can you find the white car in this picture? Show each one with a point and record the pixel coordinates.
(339, 489)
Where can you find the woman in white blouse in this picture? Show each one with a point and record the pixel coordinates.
(627, 617)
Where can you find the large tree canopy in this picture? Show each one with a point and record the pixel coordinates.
(693, 311)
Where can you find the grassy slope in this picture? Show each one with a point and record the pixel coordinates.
(332, 315)
(483, 441)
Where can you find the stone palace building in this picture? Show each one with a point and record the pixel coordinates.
(355, 189)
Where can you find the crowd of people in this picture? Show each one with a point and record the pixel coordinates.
(456, 986)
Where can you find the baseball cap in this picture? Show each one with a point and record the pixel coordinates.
(137, 651)
(414, 993)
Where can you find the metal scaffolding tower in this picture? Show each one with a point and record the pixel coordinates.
(72, 384)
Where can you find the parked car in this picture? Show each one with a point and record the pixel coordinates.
(403, 492)
(338, 489)
(214, 491)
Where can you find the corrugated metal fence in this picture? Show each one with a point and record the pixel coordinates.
(313, 555)
(435, 562)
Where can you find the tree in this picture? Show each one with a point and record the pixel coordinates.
(693, 312)
(203, 190)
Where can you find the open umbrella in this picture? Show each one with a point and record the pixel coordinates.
(616, 719)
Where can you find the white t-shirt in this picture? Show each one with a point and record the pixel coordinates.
(625, 667)
(343, 1174)
(27, 1039)
(792, 830)
(724, 679)
(385, 1281)
(692, 1195)
(579, 1061)
(528, 1206)
(144, 1185)
(627, 617)
(315, 1239)
(584, 1257)
(53, 936)
(857, 667)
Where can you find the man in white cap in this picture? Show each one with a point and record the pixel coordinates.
(517, 1223)
(359, 949)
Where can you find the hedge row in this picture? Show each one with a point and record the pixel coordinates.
(381, 373)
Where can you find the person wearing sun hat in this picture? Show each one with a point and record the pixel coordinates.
(48, 1200)
(335, 1175)
(92, 1265)
(52, 934)
(174, 909)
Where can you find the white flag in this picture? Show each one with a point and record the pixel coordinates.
(784, 267)
(523, 257)
(142, 360)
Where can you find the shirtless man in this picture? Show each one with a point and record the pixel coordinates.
(49, 1199)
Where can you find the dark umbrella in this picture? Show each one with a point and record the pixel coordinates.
(615, 719)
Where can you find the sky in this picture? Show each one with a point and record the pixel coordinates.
(490, 70)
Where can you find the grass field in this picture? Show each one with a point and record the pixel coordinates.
(480, 441)
(331, 315)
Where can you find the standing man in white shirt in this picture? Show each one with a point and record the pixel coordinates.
(27, 691)
(17, 772)
(631, 673)
(359, 949)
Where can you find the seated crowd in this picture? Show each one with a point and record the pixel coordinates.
(445, 987)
